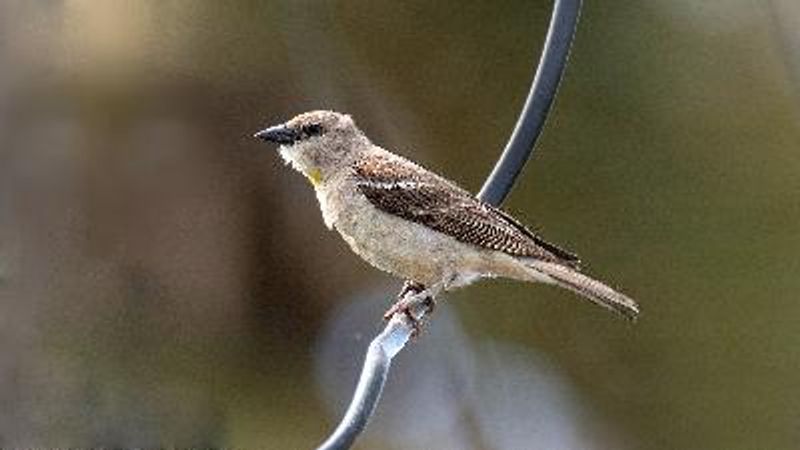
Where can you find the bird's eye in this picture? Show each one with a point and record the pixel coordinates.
(312, 129)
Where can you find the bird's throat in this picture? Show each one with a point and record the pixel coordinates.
(313, 174)
(314, 177)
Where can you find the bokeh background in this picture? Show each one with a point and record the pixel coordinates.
(165, 280)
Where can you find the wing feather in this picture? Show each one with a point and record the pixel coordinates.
(404, 189)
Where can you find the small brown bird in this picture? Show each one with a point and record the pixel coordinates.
(410, 222)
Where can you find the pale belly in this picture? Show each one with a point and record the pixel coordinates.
(404, 248)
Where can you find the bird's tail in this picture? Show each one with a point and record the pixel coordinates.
(585, 286)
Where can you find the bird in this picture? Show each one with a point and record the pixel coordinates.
(417, 225)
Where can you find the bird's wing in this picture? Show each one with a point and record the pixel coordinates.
(401, 188)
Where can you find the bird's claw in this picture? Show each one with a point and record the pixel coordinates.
(412, 295)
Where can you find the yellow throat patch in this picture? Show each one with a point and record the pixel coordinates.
(314, 177)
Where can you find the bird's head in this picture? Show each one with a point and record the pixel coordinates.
(317, 143)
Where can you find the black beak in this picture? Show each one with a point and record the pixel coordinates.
(278, 134)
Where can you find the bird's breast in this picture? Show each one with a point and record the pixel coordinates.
(327, 206)
(390, 243)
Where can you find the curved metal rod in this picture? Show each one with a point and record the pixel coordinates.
(531, 120)
(398, 331)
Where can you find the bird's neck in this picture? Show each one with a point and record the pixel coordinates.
(314, 176)
(306, 166)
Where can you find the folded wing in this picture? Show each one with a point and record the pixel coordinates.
(404, 189)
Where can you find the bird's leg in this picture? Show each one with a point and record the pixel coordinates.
(407, 298)
(411, 295)
(410, 287)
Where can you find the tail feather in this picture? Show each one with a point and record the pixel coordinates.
(587, 287)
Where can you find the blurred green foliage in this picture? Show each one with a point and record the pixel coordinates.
(166, 277)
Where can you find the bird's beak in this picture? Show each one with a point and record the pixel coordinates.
(279, 134)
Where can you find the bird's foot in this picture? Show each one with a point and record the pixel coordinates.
(412, 295)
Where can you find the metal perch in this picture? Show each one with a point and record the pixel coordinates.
(398, 331)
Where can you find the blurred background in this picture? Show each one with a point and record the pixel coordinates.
(165, 280)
